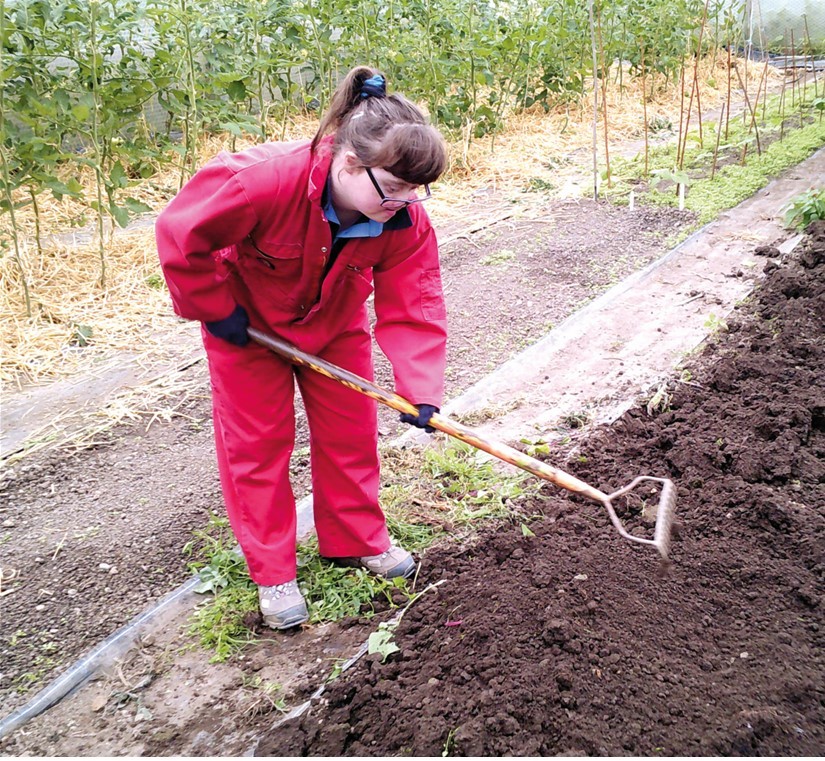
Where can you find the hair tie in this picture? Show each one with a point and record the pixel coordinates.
(375, 87)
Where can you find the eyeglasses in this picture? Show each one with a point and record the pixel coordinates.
(403, 202)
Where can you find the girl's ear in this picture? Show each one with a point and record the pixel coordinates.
(351, 161)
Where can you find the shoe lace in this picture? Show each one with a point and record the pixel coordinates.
(378, 558)
(282, 590)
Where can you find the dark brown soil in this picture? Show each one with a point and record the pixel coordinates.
(570, 643)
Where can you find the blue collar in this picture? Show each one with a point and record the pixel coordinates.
(363, 228)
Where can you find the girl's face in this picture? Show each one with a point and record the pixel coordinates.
(354, 192)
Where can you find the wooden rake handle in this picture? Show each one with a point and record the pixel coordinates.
(440, 422)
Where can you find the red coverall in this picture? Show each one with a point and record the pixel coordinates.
(249, 228)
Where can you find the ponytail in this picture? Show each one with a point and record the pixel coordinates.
(386, 131)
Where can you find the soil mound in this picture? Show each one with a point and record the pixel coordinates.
(569, 642)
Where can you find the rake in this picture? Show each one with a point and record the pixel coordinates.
(667, 497)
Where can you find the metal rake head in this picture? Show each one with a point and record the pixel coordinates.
(665, 512)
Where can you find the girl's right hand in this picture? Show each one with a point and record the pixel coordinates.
(232, 328)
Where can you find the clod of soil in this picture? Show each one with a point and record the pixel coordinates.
(569, 642)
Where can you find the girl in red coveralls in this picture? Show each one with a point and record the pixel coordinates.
(292, 238)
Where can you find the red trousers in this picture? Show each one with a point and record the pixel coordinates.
(253, 402)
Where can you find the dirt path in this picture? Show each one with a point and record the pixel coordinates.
(94, 537)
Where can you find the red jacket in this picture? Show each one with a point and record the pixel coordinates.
(260, 210)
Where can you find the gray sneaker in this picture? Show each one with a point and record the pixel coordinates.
(283, 605)
(391, 564)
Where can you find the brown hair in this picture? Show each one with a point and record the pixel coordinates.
(386, 131)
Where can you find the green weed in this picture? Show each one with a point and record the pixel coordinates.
(483, 414)
(220, 622)
(468, 479)
(499, 257)
(660, 401)
(805, 208)
(224, 622)
(449, 744)
(660, 123)
(539, 185)
(263, 697)
(383, 641)
(535, 447)
(575, 420)
(715, 324)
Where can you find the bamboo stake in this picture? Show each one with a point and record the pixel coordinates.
(681, 109)
(696, 71)
(718, 136)
(687, 122)
(784, 85)
(644, 107)
(756, 103)
(748, 44)
(98, 165)
(764, 46)
(727, 116)
(189, 161)
(793, 72)
(804, 78)
(699, 105)
(604, 99)
(595, 105)
(810, 53)
(782, 114)
(751, 112)
(15, 229)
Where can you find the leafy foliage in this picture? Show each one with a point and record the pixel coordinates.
(805, 208)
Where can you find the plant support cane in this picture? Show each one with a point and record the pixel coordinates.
(667, 499)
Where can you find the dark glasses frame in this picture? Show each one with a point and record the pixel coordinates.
(404, 202)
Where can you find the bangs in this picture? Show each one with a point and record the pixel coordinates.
(415, 153)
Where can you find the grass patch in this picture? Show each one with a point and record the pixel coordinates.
(431, 493)
(498, 257)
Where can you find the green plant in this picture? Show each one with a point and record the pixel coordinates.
(673, 175)
(82, 335)
(578, 419)
(449, 744)
(468, 479)
(715, 324)
(536, 446)
(498, 257)
(805, 208)
(382, 641)
(539, 185)
(337, 669)
(660, 123)
(262, 696)
(660, 400)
